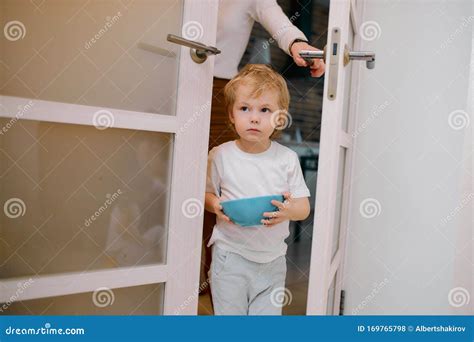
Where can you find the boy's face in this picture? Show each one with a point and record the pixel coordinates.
(252, 116)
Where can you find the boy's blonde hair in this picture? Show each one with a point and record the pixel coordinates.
(259, 77)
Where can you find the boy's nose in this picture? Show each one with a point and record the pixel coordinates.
(254, 118)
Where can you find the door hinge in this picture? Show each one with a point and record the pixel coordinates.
(341, 303)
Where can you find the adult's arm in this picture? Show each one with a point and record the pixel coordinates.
(274, 20)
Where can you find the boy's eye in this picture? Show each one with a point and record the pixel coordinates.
(244, 108)
(266, 110)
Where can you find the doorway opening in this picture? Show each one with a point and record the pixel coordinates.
(302, 136)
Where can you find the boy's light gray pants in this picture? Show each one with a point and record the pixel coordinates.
(243, 287)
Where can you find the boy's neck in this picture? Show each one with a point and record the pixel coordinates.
(253, 147)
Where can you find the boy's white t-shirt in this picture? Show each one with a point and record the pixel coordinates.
(234, 174)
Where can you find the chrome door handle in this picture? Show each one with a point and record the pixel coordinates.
(199, 51)
(309, 55)
(367, 56)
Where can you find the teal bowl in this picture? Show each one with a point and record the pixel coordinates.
(249, 211)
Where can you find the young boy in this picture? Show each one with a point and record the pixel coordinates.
(248, 267)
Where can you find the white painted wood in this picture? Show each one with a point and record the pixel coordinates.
(355, 15)
(416, 250)
(77, 282)
(345, 139)
(334, 267)
(356, 12)
(189, 167)
(83, 115)
(322, 268)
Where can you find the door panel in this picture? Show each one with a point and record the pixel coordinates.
(101, 127)
(137, 300)
(99, 53)
(334, 174)
(92, 199)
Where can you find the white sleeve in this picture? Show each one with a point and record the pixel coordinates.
(296, 181)
(213, 180)
(271, 16)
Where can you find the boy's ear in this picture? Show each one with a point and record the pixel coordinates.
(231, 117)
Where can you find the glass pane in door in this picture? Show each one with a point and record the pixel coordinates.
(339, 199)
(101, 53)
(136, 300)
(77, 198)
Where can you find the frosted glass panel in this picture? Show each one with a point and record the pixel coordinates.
(339, 198)
(137, 300)
(110, 53)
(77, 198)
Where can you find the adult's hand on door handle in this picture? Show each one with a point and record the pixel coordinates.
(317, 67)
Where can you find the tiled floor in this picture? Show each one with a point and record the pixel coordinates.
(298, 260)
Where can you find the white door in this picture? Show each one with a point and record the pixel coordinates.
(103, 126)
(334, 170)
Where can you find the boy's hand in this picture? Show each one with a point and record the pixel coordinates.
(283, 214)
(218, 210)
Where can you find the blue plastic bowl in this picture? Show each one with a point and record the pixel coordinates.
(249, 211)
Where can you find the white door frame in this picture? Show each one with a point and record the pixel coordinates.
(323, 266)
(190, 124)
(190, 159)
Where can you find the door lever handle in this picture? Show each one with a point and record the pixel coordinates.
(199, 51)
(309, 55)
(368, 56)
